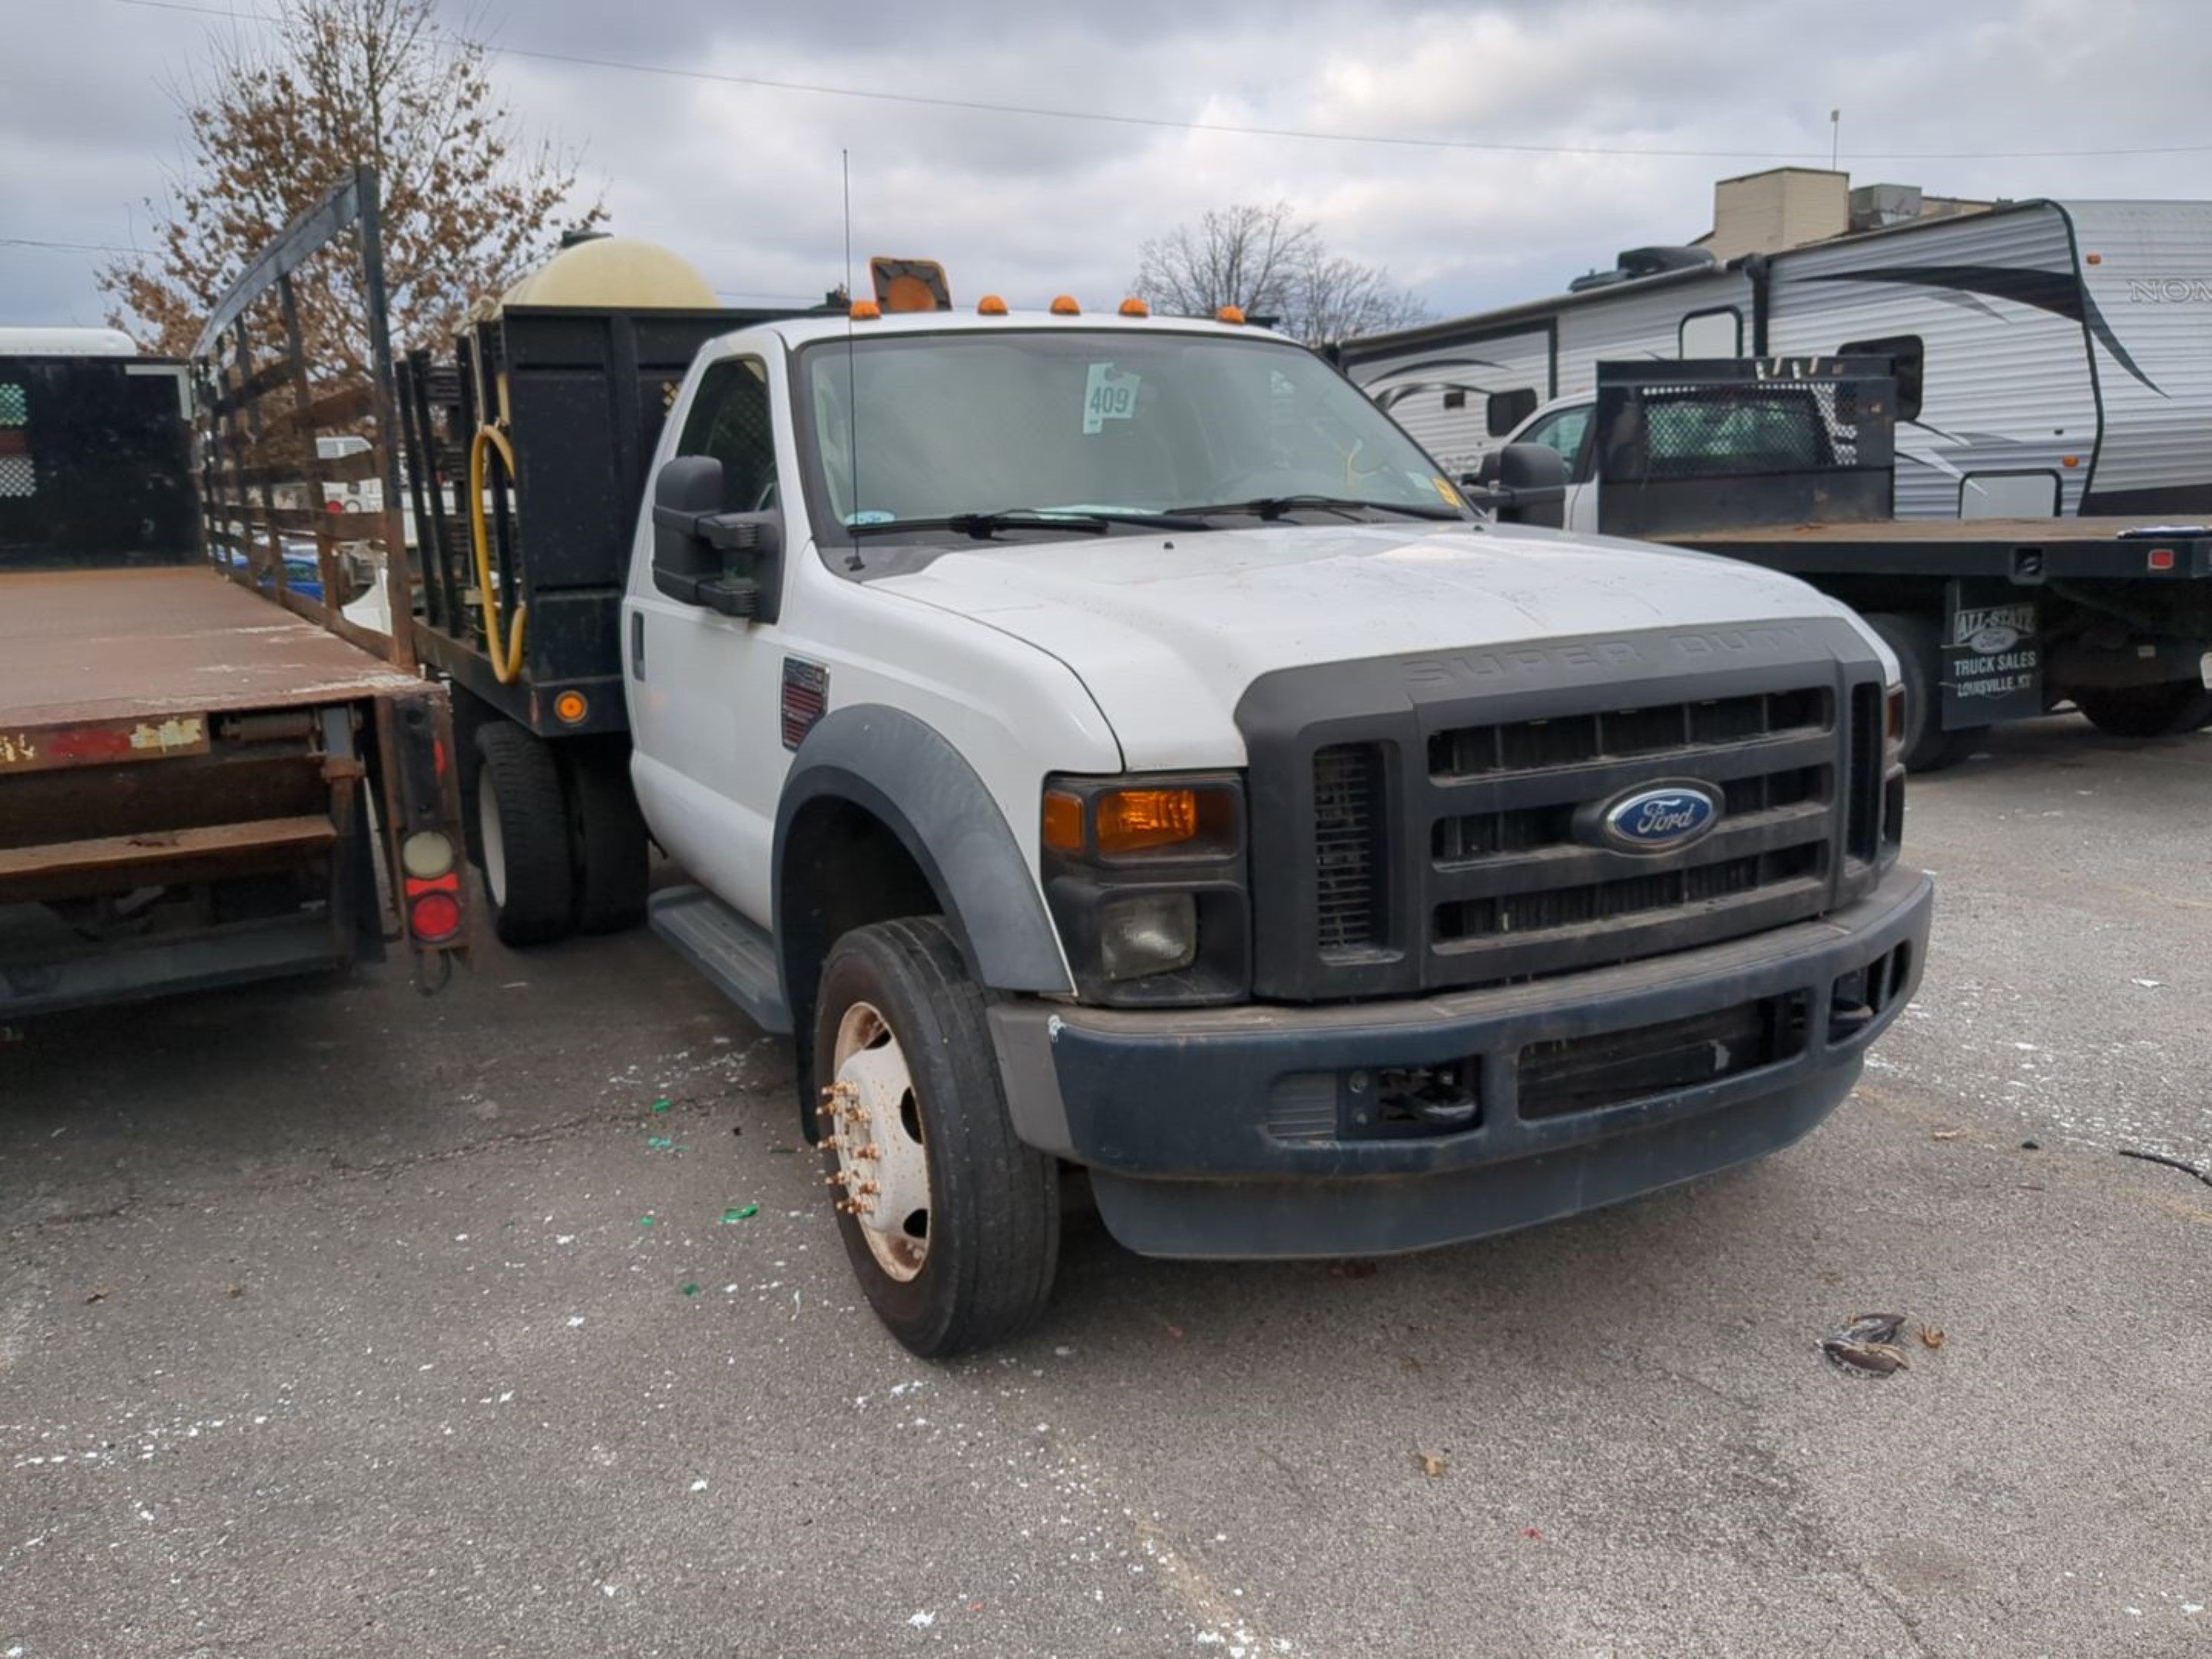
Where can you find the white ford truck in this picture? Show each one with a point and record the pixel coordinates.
(1107, 741)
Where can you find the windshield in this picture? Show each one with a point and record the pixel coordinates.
(973, 425)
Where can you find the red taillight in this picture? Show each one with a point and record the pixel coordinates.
(434, 908)
(2162, 558)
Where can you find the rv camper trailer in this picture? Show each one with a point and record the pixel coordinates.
(2051, 357)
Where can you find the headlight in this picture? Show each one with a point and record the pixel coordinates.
(1146, 883)
(1156, 933)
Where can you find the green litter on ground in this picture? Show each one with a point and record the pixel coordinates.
(746, 1213)
(659, 1105)
(649, 1221)
(661, 1143)
(691, 1290)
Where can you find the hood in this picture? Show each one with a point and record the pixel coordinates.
(1168, 632)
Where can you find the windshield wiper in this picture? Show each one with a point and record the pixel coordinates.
(1274, 507)
(1094, 521)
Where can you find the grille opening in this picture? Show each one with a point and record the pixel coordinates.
(1472, 751)
(1467, 921)
(1581, 1074)
(1431, 1098)
(1479, 835)
(1770, 790)
(1858, 998)
(1862, 826)
(1892, 814)
(1349, 853)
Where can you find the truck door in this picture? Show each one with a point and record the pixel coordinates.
(704, 687)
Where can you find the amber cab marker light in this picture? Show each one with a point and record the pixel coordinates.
(1132, 307)
(2094, 259)
(1064, 306)
(1231, 314)
(1133, 820)
(990, 305)
(866, 311)
(571, 707)
(1063, 821)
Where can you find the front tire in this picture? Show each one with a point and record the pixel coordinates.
(951, 1222)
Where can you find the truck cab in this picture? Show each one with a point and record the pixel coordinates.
(1110, 742)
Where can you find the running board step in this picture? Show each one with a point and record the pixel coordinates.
(736, 956)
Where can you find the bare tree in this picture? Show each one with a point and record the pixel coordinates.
(468, 202)
(1270, 263)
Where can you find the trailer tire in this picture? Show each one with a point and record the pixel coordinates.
(2171, 709)
(1918, 648)
(607, 838)
(521, 822)
(969, 1237)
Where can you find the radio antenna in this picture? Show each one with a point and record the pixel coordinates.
(852, 376)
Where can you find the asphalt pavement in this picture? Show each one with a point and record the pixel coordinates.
(335, 1320)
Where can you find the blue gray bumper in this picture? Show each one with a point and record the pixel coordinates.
(1258, 1131)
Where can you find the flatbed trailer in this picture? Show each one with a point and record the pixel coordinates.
(1789, 464)
(206, 776)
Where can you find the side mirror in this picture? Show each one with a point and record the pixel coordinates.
(1532, 479)
(728, 562)
(1507, 409)
(1522, 483)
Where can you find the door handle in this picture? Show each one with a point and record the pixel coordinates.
(637, 645)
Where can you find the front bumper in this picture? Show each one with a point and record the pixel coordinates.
(1229, 1132)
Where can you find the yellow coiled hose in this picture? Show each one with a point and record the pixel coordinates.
(506, 653)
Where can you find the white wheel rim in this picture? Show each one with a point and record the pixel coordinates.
(494, 848)
(883, 1166)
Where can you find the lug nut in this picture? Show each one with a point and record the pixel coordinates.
(869, 1152)
(842, 1178)
(869, 1187)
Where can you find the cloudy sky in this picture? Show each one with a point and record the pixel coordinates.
(1624, 112)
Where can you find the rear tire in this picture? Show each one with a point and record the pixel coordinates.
(962, 1238)
(1919, 650)
(2168, 710)
(608, 838)
(522, 828)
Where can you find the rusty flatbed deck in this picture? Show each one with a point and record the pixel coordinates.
(95, 645)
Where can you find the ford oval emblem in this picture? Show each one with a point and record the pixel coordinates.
(1660, 819)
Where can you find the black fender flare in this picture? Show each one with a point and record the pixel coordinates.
(912, 779)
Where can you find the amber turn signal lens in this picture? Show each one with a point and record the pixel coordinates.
(1894, 729)
(1132, 820)
(570, 708)
(1063, 821)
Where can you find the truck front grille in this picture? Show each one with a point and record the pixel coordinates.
(1520, 890)
(1434, 846)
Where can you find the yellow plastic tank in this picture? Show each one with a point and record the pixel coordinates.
(619, 271)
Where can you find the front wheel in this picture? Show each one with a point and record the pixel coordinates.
(2166, 710)
(951, 1222)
